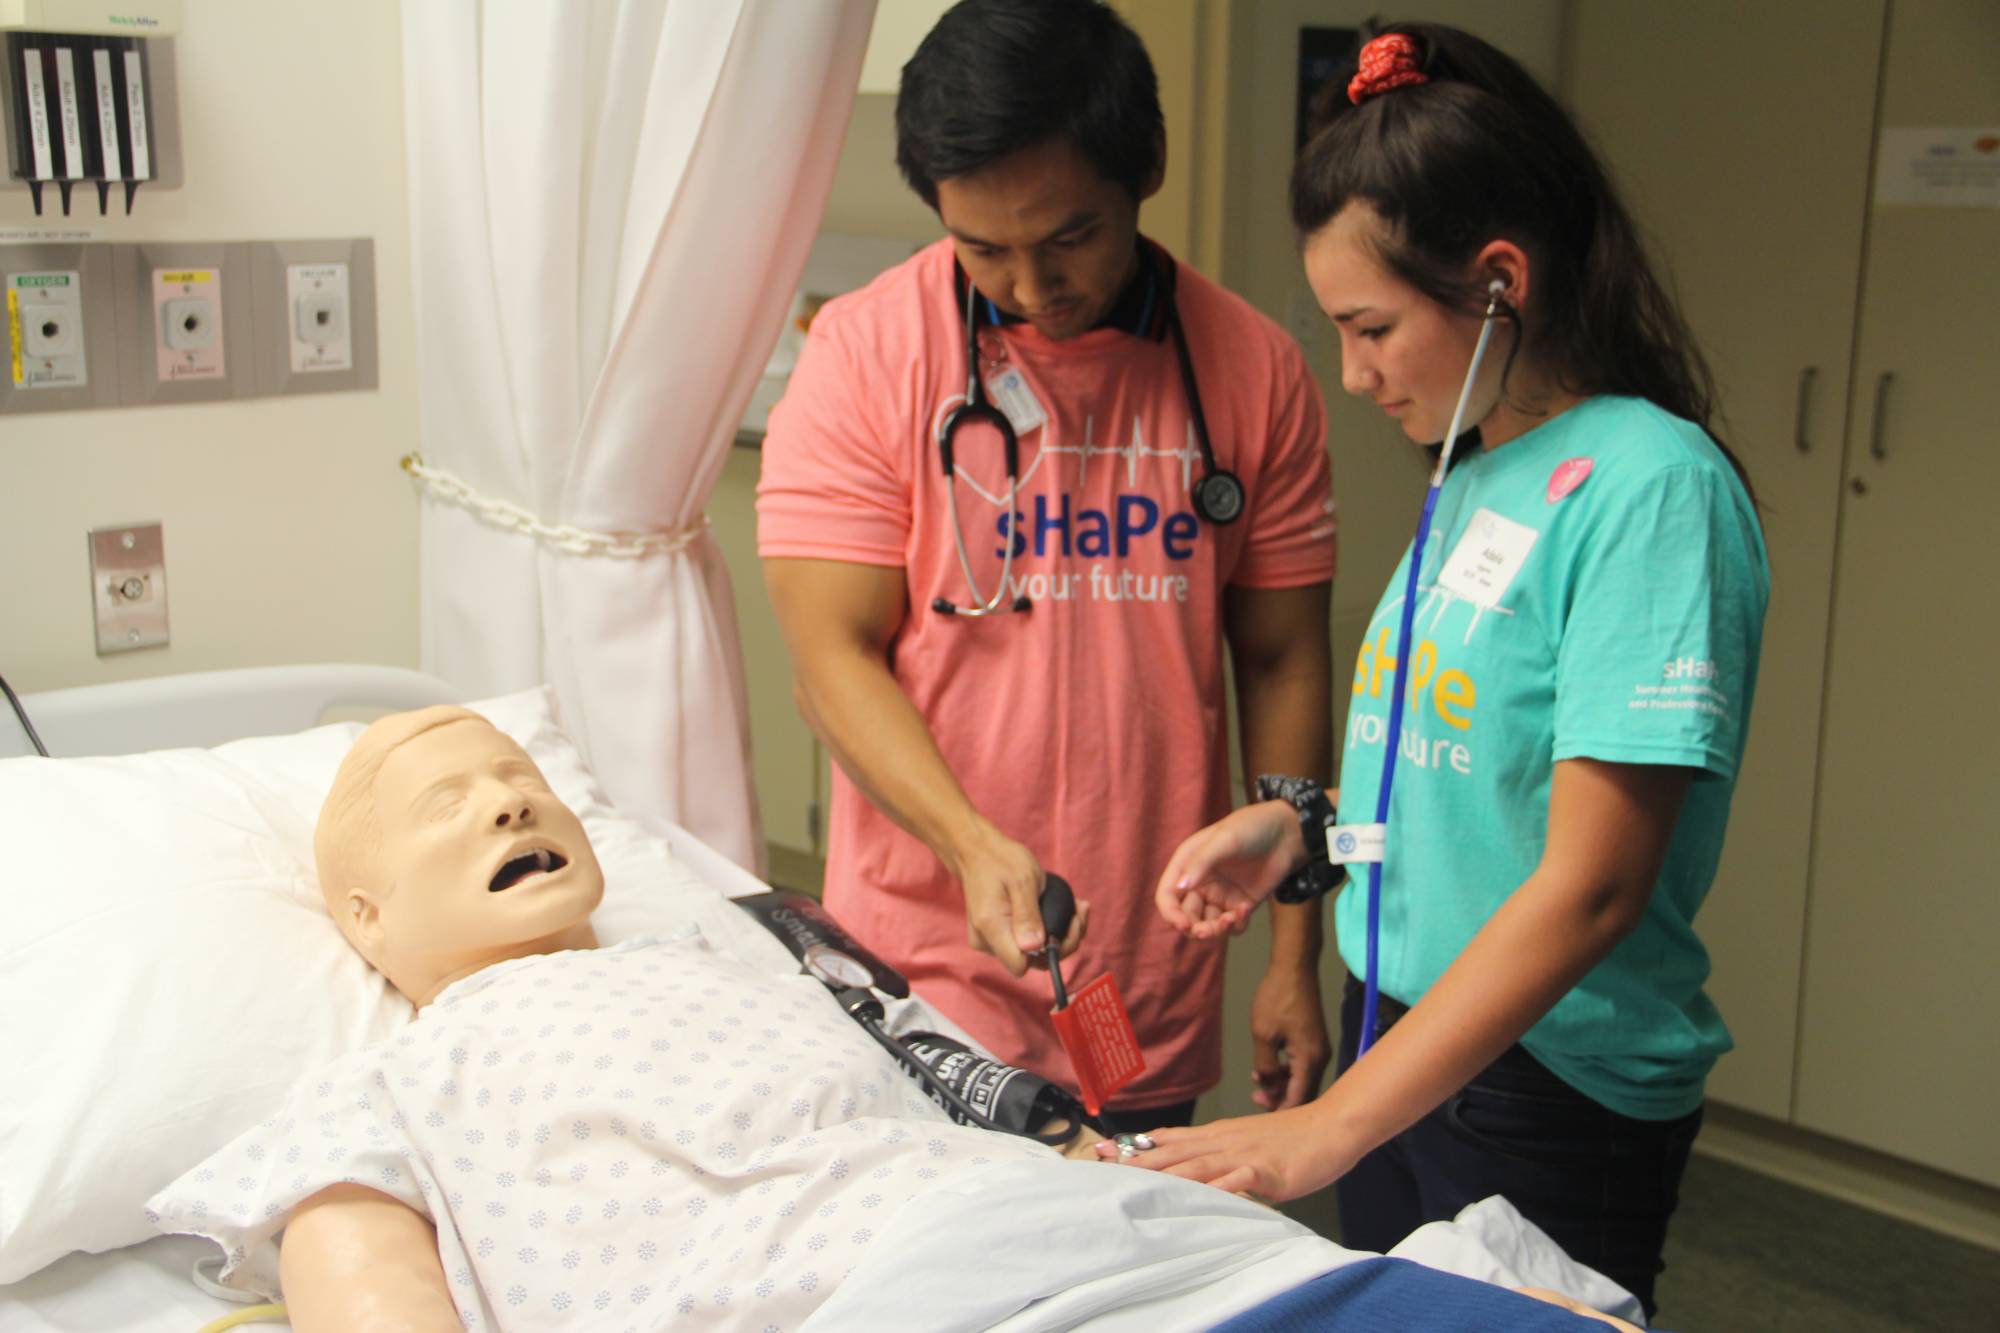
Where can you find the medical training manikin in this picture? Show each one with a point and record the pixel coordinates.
(596, 1136)
(655, 1132)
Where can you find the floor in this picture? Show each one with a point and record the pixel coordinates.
(1746, 1252)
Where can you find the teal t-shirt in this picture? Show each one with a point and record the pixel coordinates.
(1594, 588)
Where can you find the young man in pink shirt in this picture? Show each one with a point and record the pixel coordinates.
(1081, 727)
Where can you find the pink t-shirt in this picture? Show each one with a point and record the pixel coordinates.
(1092, 727)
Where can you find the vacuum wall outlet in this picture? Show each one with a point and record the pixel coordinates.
(315, 315)
(320, 318)
(128, 587)
(58, 334)
(183, 322)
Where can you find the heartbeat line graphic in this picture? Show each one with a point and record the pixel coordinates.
(1189, 454)
(1441, 597)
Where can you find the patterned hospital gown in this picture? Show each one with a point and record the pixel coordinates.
(649, 1135)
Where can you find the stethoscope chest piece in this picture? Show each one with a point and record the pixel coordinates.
(1218, 497)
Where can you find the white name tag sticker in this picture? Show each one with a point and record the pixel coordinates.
(1356, 844)
(1011, 394)
(1487, 558)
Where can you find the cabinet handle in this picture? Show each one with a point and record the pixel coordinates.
(1876, 449)
(1806, 378)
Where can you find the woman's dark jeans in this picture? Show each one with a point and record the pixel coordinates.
(1602, 1185)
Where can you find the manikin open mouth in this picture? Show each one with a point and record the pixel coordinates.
(541, 861)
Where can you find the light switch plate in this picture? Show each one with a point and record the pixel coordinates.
(128, 587)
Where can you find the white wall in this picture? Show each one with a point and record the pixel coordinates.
(290, 533)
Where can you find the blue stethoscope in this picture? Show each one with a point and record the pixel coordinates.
(1218, 496)
(1371, 992)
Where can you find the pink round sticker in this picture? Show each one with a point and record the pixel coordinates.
(1568, 476)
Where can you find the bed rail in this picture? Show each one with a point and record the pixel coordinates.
(210, 707)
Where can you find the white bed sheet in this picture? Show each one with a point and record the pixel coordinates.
(139, 1289)
(146, 1288)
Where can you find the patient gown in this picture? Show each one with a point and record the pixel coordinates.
(643, 1136)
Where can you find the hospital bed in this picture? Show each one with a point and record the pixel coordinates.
(121, 1076)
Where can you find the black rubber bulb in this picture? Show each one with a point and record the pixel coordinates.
(1058, 908)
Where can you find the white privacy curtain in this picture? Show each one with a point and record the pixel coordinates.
(611, 201)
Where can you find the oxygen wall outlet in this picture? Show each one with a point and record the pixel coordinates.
(188, 302)
(58, 328)
(45, 331)
(321, 318)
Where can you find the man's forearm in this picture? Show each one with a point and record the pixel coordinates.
(1284, 712)
(885, 747)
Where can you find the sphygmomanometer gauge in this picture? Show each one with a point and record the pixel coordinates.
(835, 968)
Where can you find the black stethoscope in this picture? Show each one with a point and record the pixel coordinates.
(1218, 496)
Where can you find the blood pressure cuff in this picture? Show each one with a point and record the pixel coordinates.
(1017, 1101)
(822, 947)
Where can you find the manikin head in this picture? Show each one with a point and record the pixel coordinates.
(441, 851)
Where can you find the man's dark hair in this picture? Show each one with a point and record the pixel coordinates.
(996, 76)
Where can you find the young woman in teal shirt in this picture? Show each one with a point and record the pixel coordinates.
(1590, 605)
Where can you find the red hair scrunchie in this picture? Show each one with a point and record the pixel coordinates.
(1388, 61)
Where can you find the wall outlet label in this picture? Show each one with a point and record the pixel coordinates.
(316, 301)
(187, 324)
(45, 330)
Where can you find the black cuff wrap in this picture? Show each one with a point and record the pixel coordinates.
(1318, 876)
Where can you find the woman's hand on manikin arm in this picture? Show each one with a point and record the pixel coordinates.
(1608, 830)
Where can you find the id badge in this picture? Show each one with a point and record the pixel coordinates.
(1010, 392)
(1356, 844)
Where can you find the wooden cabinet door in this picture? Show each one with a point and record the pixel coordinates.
(1900, 1033)
(1741, 138)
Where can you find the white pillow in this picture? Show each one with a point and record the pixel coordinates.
(167, 967)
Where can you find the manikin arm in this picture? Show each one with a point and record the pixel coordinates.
(355, 1260)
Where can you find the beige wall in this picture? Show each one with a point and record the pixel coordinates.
(290, 534)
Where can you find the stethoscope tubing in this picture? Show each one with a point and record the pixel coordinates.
(977, 406)
(1371, 988)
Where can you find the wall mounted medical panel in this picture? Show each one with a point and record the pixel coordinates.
(313, 315)
(59, 340)
(184, 322)
(120, 110)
